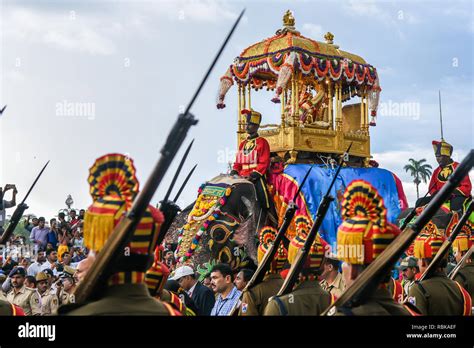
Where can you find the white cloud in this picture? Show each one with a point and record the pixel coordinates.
(364, 8)
(94, 32)
(192, 10)
(82, 34)
(313, 31)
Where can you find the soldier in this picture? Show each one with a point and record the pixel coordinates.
(253, 158)
(437, 295)
(307, 297)
(410, 273)
(461, 246)
(332, 280)
(48, 300)
(363, 235)
(20, 295)
(443, 152)
(113, 186)
(255, 299)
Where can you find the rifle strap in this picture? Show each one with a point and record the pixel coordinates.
(281, 306)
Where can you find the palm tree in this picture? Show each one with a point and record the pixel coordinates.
(420, 170)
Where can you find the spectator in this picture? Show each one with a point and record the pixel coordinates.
(78, 256)
(65, 259)
(30, 282)
(173, 286)
(78, 238)
(332, 280)
(169, 259)
(82, 213)
(242, 278)
(4, 204)
(202, 296)
(9, 264)
(29, 225)
(51, 259)
(207, 281)
(35, 267)
(227, 294)
(39, 234)
(73, 220)
(53, 233)
(62, 221)
(24, 262)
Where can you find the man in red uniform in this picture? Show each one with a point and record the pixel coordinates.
(253, 158)
(443, 152)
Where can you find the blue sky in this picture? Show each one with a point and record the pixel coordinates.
(137, 63)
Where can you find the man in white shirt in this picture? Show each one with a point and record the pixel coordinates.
(35, 267)
(51, 258)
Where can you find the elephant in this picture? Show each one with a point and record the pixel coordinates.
(222, 224)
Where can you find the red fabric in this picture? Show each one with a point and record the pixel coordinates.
(258, 157)
(17, 311)
(437, 181)
(401, 194)
(397, 294)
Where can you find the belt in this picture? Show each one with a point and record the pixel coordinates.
(249, 166)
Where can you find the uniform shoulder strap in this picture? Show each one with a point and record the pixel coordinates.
(467, 301)
(281, 305)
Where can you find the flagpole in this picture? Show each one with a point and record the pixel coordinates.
(440, 115)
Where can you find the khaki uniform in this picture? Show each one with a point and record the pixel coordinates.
(65, 298)
(438, 295)
(407, 284)
(27, 299)
(336, 288)
(308, 298)
(125, 299)
(465, 277)
(380, 303)
(49, 303)
(255, 300)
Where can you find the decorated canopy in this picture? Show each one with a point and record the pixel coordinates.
(271, 62)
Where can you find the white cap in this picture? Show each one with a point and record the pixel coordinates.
(182, 272)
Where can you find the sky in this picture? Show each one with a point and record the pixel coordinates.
(129, 67)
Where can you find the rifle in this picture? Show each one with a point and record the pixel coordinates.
(264, 265)
(371, 277)
(184, 184)
(171, 210)
(461, 263)
(20, 209)
(434, 264)
(175, 177)
(123, 231)
(302, 254)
